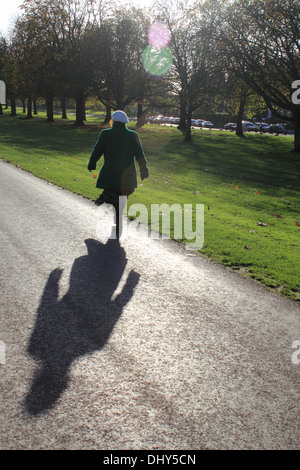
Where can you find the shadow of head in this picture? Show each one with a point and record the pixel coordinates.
(80, 322)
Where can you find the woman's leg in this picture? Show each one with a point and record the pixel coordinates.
(119, 208)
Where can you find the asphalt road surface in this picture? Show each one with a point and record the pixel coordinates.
(137, 345)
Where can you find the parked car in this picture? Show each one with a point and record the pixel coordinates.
(277, 129)
(199, 122)
(207, 124)
(248, 126)
(154, 119)
(261, 127)
(230, 126)
(265, 127)
(288, 127)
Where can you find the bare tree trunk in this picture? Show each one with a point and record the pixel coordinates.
(80, 110)
(29, 108)
(13, 111)
(188, 132)
(296, 116)
(182, 122)
(108, 114)
(297, 137)
(35, 107)
(49, 106)
(239, 124)
(140, 115)
(64, 108)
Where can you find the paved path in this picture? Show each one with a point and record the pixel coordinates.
(133, 346)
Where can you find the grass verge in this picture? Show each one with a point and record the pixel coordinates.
(249, 187)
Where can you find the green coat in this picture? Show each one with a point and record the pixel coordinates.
(120, 147)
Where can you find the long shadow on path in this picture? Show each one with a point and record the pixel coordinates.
(79, 323)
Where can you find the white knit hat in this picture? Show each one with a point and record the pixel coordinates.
(120, 116)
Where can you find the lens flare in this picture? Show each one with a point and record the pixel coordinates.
(157, 57)
(157, 62)
(159, 36)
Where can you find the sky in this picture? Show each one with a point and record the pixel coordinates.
(9, 10)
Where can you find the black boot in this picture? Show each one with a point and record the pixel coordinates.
(100, 200)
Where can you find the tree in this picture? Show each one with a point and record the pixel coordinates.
(117, 68)
(36, 49)
(28, 59)
(196, 74)
(261, 41)
(3, 54)
(238, 99)
(8, 73)
(78, 21)
(55, 32)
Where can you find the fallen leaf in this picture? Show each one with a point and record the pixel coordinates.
(298, 224)
(236, 187)
(95, 175)
(261, 223)
(247, 247)
(235, 212)
(277, 216)
(257, 192)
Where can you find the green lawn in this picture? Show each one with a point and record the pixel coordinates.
(241, 182)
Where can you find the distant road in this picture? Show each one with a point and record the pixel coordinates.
(142, 345)
(220, 129)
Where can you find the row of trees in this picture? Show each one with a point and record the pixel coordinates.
(233, 53)
(64, 49)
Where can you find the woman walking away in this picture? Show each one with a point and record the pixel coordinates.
(120, 147)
